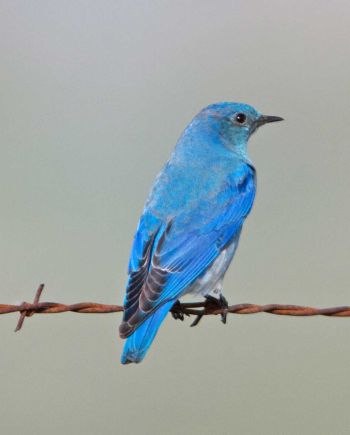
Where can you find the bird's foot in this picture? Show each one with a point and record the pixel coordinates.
(177, 311)
(213, 303)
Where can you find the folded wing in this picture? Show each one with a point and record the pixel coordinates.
(170, 257)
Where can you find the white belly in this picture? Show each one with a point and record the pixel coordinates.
(211, 281)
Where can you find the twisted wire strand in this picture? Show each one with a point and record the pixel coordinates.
(198, 309)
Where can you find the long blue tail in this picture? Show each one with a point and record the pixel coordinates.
(137, 345)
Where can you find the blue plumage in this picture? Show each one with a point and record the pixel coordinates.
(190, 226)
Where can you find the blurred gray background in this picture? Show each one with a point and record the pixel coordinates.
(93, 98)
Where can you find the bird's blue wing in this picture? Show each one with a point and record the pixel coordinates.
(173, 254)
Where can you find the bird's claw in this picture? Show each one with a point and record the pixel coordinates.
(177, 311)
(224, 306)
(212, 302)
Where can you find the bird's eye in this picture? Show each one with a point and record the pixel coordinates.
(240, 118)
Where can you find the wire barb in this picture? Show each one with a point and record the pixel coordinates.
(27, 312)
(198, 309)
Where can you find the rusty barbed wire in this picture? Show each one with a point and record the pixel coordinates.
(198, 309)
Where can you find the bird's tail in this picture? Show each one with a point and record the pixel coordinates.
(137, 345)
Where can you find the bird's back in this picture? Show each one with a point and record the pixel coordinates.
(196, 193)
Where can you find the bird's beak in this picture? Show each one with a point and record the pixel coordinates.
(264, 119)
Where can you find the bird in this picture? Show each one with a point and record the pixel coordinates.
(191, 223)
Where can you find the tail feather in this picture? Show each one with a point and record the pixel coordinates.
(137, 345)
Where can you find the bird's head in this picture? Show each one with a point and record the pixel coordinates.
(233, 123)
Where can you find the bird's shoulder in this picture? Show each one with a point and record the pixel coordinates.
(181, 188)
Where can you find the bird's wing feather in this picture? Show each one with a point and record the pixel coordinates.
(166, 261)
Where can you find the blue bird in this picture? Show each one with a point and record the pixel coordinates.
(191, 223)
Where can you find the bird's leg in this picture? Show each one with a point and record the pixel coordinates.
(220, 303)
(210, 303)
(177, 311)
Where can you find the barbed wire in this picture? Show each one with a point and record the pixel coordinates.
(198, 309)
